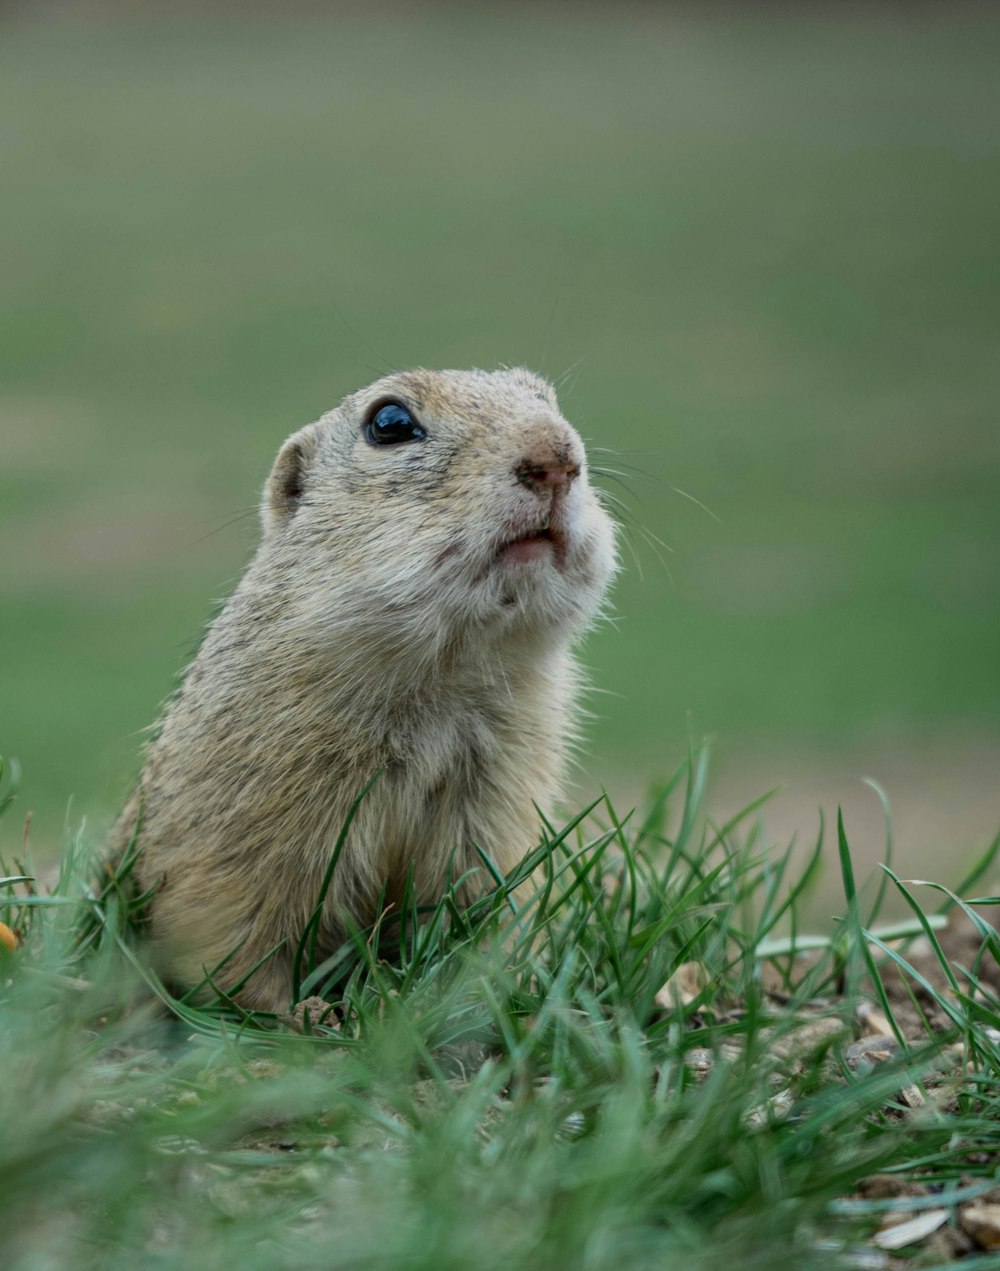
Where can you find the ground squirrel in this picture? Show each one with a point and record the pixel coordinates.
(431, 548)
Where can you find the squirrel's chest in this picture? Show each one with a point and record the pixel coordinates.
(449, 789)
(438, 777)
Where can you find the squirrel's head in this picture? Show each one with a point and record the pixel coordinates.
(433, 502)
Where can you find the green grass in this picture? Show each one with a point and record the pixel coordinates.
(512, 1087)
(767, 239)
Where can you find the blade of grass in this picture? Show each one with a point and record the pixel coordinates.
(310, 933)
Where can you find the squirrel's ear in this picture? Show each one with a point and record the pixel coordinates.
(287, 483)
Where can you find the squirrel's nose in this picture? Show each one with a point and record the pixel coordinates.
(547, 466)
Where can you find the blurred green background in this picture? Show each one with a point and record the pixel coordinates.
(763, 242)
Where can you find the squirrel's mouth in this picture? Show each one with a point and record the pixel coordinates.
(541, 544)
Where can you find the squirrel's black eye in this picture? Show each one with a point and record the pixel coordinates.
(391, 424)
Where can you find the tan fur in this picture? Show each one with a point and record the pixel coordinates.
(378, 627)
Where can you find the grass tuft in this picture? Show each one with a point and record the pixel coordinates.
(624, 1053)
